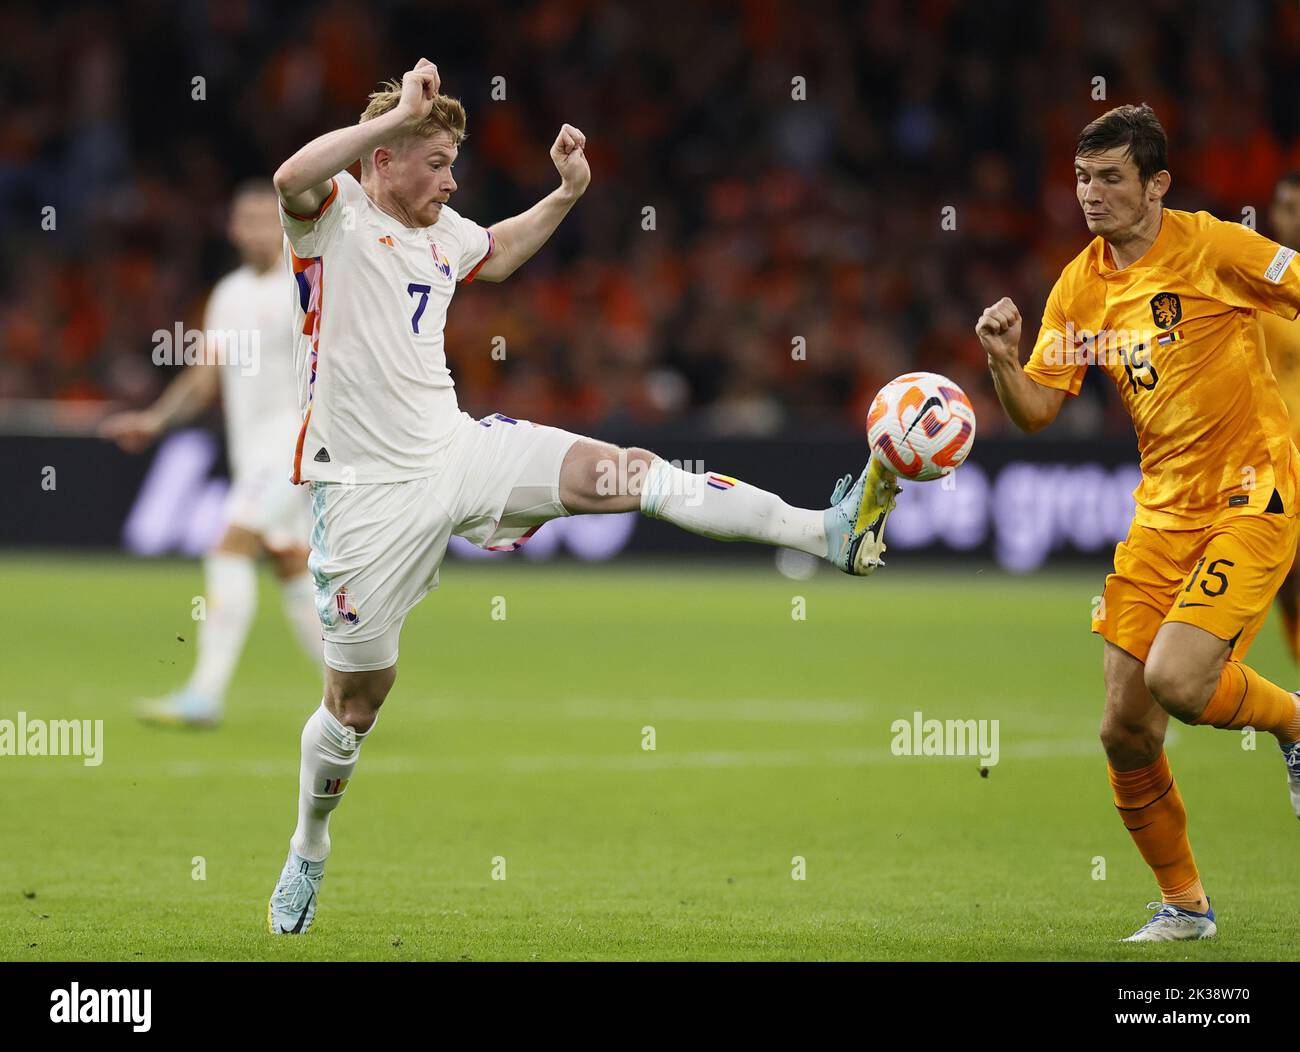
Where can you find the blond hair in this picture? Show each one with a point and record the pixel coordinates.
(446, 114)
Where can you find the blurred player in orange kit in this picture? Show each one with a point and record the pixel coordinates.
(1166, 303)
(1282, 341)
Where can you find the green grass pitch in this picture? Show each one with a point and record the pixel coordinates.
(521, 739)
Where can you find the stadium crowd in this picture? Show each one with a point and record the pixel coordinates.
(833, 191)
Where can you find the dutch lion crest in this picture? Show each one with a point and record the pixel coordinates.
(1166, 309)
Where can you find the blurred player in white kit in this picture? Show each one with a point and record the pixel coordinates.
(250, 309)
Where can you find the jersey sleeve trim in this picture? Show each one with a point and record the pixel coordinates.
(1070, 383)
(492, 244)
(1284, 262)
(329, 200)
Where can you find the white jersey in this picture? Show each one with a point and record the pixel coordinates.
(377, 399)
(248, 319)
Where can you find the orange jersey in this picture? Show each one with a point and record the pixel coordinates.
(1177, 332)
(1282, 343)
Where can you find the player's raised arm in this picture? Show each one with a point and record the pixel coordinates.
(1030, 405)
(517, 239)
(303, 181)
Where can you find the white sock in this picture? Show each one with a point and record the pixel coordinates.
(329, 756)
(299, 595)
(726, 509)
(230, 599)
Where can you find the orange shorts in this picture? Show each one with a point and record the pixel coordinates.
(1221, 578)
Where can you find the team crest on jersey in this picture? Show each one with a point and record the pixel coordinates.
(440, 262)
(346, 610)
(1166, 309)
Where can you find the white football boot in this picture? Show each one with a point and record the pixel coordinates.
(855, 522)
(293, 903)
(1172, 923)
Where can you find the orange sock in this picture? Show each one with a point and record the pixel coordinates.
(1244, 698)
(1152, 810)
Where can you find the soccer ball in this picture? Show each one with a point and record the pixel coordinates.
(921, 426)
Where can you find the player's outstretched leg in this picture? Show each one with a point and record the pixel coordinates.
(849, 534)
(331, 746)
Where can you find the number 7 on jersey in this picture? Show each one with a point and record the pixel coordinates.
(424, 291)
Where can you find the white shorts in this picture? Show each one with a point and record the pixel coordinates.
(263, 501)
(376, 548)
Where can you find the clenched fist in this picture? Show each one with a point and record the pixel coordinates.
(999, 331)
(570, 161)
(419, 86)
